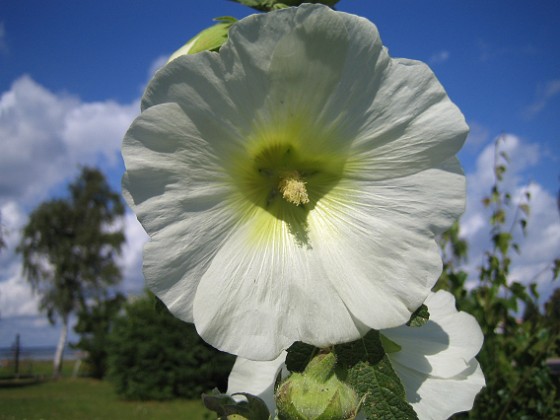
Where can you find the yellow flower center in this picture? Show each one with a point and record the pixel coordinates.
(293, 190)
(282, 174)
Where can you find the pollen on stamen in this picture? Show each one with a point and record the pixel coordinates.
(293, 189)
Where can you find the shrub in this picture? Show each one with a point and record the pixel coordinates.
(153, 355)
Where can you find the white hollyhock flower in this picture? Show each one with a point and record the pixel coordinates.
(436, 363)
(293, 183)
(256, 378)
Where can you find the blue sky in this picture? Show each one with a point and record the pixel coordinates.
(71, 75)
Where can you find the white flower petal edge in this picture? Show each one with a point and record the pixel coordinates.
(436, 362)
(256, 378)
(374, 136)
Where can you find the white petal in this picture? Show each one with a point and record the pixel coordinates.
(381, 270)
(411, 124)
(444, 346)
(264, 290)
(179, 194)
(256, 378)
(377, 240)
(435, 398)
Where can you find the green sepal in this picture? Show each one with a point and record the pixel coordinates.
(419, 317)
(363, 364)
(227, 408)
(389, 345)
(210, 39)
(319, 393)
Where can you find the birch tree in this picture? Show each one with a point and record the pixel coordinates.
(68, 249)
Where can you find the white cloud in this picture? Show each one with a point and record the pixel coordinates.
(543, 97)
(16, 297)
(439, 57)
(45, 136)
(542, 243)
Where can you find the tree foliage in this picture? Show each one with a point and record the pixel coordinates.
(153, 355)
(519, 336)
(94, 326)
(69, 244)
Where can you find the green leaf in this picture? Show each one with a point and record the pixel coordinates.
(498, 218)
(226, 408)
(556, 269)
(299, 355)
(419, 317)
(525, 209)
(257, 408)
(268, 5)
(504, 155)
(500, 170)
(217, 402)
(371, 375)
(502, 241)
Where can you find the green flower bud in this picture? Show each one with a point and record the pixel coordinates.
(317, 393)
(210, 39)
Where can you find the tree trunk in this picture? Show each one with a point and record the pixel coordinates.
(57, 362)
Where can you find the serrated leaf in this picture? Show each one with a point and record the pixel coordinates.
(371, 375)
(384, 394)
(299, 355)
(419, 317)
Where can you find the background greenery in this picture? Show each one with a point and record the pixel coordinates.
(153, 355)
(520, 334)
(88, 399)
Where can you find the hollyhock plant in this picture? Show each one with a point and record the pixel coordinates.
(435, 363)
(292, 184)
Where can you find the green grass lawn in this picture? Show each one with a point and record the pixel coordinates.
(85, 399)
